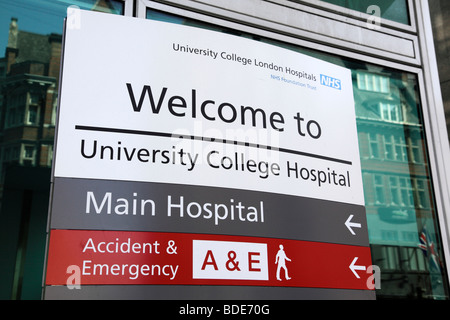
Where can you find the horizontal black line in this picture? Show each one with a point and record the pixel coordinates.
(206, 139)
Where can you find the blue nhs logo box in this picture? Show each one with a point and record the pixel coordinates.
(330, 82)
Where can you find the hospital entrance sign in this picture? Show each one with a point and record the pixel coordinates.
(189, 161)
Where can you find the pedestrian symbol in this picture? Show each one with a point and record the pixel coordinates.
(281, 259)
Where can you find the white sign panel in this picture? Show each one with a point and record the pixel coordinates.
(217, 260)
(158, 102)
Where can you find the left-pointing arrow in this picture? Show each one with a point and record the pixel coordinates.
(349, 224)
(355, 267)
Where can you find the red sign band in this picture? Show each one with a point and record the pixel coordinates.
(89, 257)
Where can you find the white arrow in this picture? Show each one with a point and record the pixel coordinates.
(350, 224)
(354, 267)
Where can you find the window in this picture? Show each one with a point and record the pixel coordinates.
(422, 193)
(401, 191)
(32, 114)
(373, 82)
(395, 10)
(391, 112)
(390, 126)
(374, 146)
(34, 98)
(401, 153)
(28, 156)
(379, 189)
(15, 104)
(54, 111)
(415, 149)
(389, 148)
(395, 148)
(28, 152)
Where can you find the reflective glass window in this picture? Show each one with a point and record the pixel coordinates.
(395, 10)
(30, 52)
(401, 213)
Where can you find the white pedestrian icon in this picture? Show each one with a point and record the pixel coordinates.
(281, 261)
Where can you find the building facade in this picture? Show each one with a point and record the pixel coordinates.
(29, 96)
(440, 11)
(388, 46)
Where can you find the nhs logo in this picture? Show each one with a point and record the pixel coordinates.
(330, 82)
